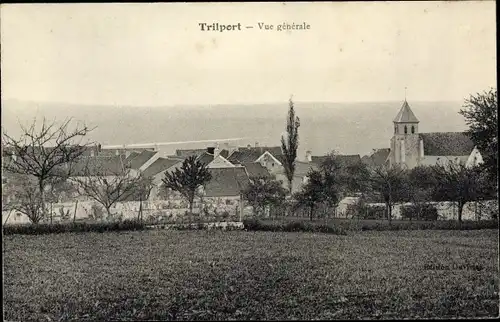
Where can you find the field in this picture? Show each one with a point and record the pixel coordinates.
(214, 275)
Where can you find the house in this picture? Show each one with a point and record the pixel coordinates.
(411, 148)
(268, 157)
(256, 170)
(378, 157)
(343, 159)
(143, 160)
(105, 166)
(109, 168)
(122, 151)
(156, 171)
(212, 157)
(188, 152)
(226, 183)
(300, 176)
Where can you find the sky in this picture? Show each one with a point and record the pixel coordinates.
(156, 54)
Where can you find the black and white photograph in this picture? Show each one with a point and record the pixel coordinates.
(220, 161)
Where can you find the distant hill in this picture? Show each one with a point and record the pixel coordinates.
(350, 128)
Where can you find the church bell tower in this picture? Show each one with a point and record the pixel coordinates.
(405, 143)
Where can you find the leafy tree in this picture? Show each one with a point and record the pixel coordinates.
(263, 192)
(187, 179)
(390, 183)
(43, 153)
(343, 179)
(459, 184)
(107, 186)
(480, 113)
(312, 193)
(290, 144)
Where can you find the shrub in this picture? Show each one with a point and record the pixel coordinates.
(56, 228)
(419, 212)
(362, 210)
(294, 226)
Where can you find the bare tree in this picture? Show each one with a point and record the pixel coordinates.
(108, 185)
(44, 152)
(20, 193)
(389, 182)
(187, 179)
(290, 144)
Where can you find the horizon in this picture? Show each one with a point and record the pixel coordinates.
(296, 102)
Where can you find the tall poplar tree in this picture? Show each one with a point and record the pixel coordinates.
(290, 144)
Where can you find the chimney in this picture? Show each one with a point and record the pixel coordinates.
(256, 144)
(99, 147)
(216, 150)
(308, 156)
(249, 146)
(117, 152)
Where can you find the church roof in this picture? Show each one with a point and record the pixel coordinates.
(447, 144)
(405, 115)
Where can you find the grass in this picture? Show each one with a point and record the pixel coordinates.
(213, 275)
(344, 224)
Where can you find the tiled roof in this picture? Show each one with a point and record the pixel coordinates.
(142, 158)
(303, 168)
(447, 143)
(99, 165)
(161, 164)
(377, 158)
(131, 156)
(226, 182)
(256, 170)
(205, 158)
(245, 154)
(405, 115)
(344, 160)
(224, 153)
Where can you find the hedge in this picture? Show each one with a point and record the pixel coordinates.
(57, 228)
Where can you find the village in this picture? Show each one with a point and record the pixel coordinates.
(232, 169)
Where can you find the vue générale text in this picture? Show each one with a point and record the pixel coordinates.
(220, 27)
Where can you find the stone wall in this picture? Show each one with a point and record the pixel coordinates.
(215, 209)
(173, 209)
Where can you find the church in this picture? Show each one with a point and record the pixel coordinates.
(410, 148)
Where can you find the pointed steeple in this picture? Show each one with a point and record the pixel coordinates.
(405, 115)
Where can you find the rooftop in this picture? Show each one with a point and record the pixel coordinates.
(447, 144)
(405, 115)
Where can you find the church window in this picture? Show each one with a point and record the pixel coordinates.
(406, 129)
(396, 129)
(412, 129)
